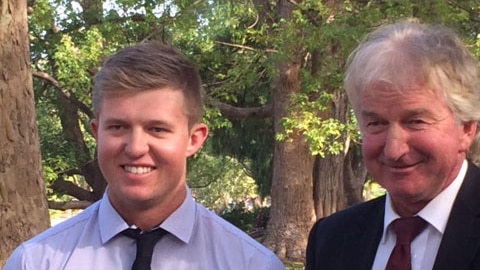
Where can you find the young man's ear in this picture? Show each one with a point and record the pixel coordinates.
(94, 127)
(198, 135)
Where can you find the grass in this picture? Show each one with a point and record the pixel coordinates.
(294, 266)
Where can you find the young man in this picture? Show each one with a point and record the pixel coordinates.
(415, 91)
(147, 102)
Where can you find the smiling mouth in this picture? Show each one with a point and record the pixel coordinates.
(138, 170)
(402, 166)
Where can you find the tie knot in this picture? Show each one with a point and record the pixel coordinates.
(150, 236)
(408, 228)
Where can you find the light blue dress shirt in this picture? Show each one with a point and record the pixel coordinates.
(198, 239)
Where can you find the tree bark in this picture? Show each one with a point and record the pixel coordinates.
(23, 204)
(355, 175)
(292, 210)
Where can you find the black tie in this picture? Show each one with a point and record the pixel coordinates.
(145, 243)
(406, 230)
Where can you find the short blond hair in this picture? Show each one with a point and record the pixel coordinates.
(146, 66)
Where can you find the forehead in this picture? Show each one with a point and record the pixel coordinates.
(384, 100)
(152, 99)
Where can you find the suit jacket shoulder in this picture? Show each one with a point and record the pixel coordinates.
(460, 246)
(347, 239)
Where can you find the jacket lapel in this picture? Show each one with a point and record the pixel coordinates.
(461, 240)
(361, 242)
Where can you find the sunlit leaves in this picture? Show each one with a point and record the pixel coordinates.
(74, 61)
(323, 135)
(214, 119)
(42, 20)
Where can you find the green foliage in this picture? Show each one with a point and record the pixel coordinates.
(372, 190)
(237, 48)
(219, 182)
(232, 58)
(251, 144)
(213, 118)
(77, 58)
(322, 135)
(246, 219)
(56, 152)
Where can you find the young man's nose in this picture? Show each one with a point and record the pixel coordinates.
(136, 143)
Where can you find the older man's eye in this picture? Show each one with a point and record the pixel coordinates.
(375, 126)
(417, 124)
(417, 121)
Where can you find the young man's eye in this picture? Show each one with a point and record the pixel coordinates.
(157, 129)
(115, 127)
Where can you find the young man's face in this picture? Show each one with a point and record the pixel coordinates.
(143, 140)
(412, 144)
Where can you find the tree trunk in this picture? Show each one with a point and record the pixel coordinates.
(328, 193)
(338, 179)
(23, 202)
(292, 211)
(354, 176)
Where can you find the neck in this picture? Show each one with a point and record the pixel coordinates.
(148, 215)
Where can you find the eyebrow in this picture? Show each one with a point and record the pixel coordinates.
(409, 113)
(115, 120)
(369, 114)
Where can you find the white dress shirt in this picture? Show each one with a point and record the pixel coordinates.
(425, 246)
(198, 239)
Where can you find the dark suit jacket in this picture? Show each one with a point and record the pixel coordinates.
(348, 239)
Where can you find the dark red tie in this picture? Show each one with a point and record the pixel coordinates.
(406, 230)
(145, 244)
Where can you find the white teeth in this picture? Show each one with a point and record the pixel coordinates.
(138, 170)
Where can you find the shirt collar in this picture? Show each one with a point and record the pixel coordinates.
(437, 211)
(180, 223)
(110, 222)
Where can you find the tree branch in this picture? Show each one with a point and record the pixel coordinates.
(71, 189)
(204, 185)
(70, 172)
(243, 47)
(68, 205)
(232, 112)
(466, 9)
(53, 82)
